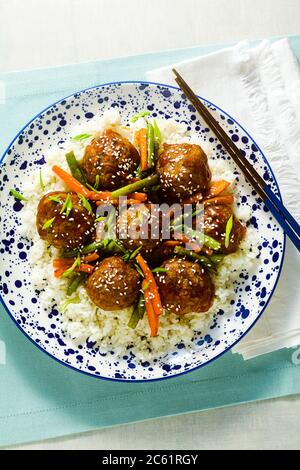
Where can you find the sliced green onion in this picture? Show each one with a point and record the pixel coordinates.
(48, 223)
(135, 252)
(228, 229)
(67, 206)
(150, 144)
(85, 203)
(66, 303)
(75, 282)
(100, 219)
(131, 188)
(146, 286)
(159, 270)
(137, 313)
(157, 133)
(142, 114)
(80, 137)
(75, 168)
(139, 270)
(56, 199)
(41, 181)
(17, 195)
(75, 265)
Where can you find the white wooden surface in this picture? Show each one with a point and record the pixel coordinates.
(42, 33)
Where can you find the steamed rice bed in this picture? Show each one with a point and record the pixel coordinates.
(82, 320)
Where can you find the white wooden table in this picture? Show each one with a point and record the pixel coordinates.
(43, 33)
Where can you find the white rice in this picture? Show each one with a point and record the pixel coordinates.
(83, 320)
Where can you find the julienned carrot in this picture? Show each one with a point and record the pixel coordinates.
(156, 301)
(219, 200)
(141, 140)
(99, 196)
(67, 262)
(184, 239)
(217, 187)
(85, 268)
(171, 243)
(139, 196)
(152, 317)
(71, 181)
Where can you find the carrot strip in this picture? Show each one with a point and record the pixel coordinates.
(99, 196)
(142, 197)
(217, 187)
(219, 200)
(157, 305)
(85, 268)
(141, 140)
(67, 262)
(171, 243)
(71, 181)
(152, 317)
(183, 238)
(89, 258)
(59, 272)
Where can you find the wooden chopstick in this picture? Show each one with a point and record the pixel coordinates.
(279, 211)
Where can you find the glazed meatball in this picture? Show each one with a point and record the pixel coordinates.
(65, 231)
(113, 158)
(185, 287)
(183, 170)
(139, 226)
(215, 221)
(114, 285)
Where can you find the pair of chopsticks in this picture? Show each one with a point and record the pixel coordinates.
(275, 206)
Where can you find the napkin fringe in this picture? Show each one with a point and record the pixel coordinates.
(254, 88)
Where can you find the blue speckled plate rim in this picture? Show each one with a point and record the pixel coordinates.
(280, 268)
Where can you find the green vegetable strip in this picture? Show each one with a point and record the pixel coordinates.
(75, 283)
(142, 114)
(111, 246)
(75, 168)
(150, 143)
(201, 238)
(17, 195)
(131, 188)
(85, 203)
(157, 133)
(228, 229)
(194, 256)
(41, 181)
(217, 258)
(137, 313)
(48, 223)
(159, 270)
(80, 137)
(71, 269)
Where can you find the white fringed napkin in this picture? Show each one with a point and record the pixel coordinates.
(260, 87)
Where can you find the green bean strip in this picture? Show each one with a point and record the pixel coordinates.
(131, 188)
(75, 168)
(137, 313)
(75, 283)
(200, 237)
(178, 250)
(150, 143)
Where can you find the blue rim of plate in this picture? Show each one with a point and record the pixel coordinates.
(279, 271)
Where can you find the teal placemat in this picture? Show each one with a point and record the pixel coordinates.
(39, 398)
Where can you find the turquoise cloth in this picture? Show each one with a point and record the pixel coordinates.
(39, 398)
